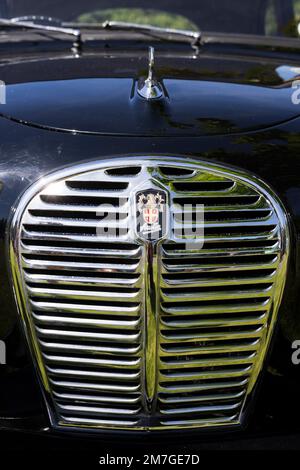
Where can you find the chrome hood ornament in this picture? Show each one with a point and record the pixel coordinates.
(150, 89)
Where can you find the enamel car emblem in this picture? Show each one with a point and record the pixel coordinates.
(151, 214)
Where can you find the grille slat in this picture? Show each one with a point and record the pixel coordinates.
(201, 409)
(229, 237)
(173, 390)
(207, 349)
(221, 252)
(227, 224)
(116, 423)
(210, 362)
(117, 364)
(71, 187)
(94, 411)
(216, 281)
(229, 334)
(87, 322)
(216, 295)
(113, 375)
(100, 220)
(220, 308)
(224, 322)
(88, 335)
(79, 266)
(46, 209)
(84, 309)
(170, 400)
(84, 237)
(101, 387)
(223, 267)
(204, 374)
(112, 280)
(68, 294)
(79, 398)
(90, 349)
(185, 294)
(81, 252)
(205, 422)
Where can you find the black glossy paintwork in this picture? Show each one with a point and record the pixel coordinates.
(191, 107)
(27, 153)
(99, 95)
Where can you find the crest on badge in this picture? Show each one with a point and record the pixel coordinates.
(151, 208)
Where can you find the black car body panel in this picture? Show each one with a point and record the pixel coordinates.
(194, 106)
(204, 95)
(227, 109)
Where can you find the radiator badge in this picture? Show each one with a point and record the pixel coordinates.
(151, 214)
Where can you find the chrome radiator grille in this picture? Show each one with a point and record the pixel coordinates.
(83, 292)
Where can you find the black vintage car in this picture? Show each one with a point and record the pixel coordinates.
(150, 216)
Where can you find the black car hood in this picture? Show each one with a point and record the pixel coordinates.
(98, 95)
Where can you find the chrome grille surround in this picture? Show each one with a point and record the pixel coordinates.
(186, 344)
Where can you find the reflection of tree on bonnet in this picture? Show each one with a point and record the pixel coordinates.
(233, 16)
